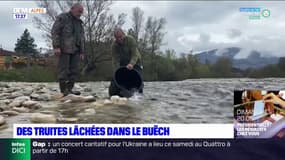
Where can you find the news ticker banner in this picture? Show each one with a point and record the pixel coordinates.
(141, 149)
(123, 131)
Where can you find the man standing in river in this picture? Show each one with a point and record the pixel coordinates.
(124, 53)
(68, 43)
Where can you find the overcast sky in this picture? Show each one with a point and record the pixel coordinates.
(196, 26)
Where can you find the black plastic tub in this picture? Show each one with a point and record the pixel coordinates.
(125, 82)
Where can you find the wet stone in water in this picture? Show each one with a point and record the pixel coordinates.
(107, 102)
(68, 120)
(2, 120)
(21, 109)
(10, 113)
(32, 104)
(43, 118)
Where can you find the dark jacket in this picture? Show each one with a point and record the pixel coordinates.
(68, 34)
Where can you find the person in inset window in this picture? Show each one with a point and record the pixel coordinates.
(275, 99)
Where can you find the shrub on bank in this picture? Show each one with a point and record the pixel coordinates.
(28, 74)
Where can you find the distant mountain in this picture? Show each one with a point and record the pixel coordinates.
(254, 59)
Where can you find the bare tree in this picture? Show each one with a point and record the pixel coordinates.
(97, 21)
(153, 39)
(154, 33)
(137, 19)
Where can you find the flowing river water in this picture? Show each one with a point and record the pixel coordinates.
(188, 101)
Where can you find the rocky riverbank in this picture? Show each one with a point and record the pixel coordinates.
(189, 101)
(35, 100)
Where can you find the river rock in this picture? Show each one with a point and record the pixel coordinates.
(2, 120)
(43, 118)
(87, 90)
(22, 99)
(32, 104)
(122, 100)
(10, 90)
(68, 120)
(29, 103)
(14, 95)
(7, 101)
(44, 97)
(43, 90)
(21, 109)
(87, 112)
(27, 91)
(73, 98)
(40, 86)
(76, 98)
(41, 97)
(98, 104)
(4, 107)
(47, 112)
(115, 99)
(82, 85)
(67, 101)
(34, 96)
(119, 100)
(90, 111)
(89, 99)
(54, 89)
(5, 95)
(17, 102)
(57, 96)
(4, 85)
(107, 102)
(36, 106)
(10, 113)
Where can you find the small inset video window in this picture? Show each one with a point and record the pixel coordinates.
(259, 113)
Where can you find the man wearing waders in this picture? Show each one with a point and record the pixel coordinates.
(124, 54)
(68, 43)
